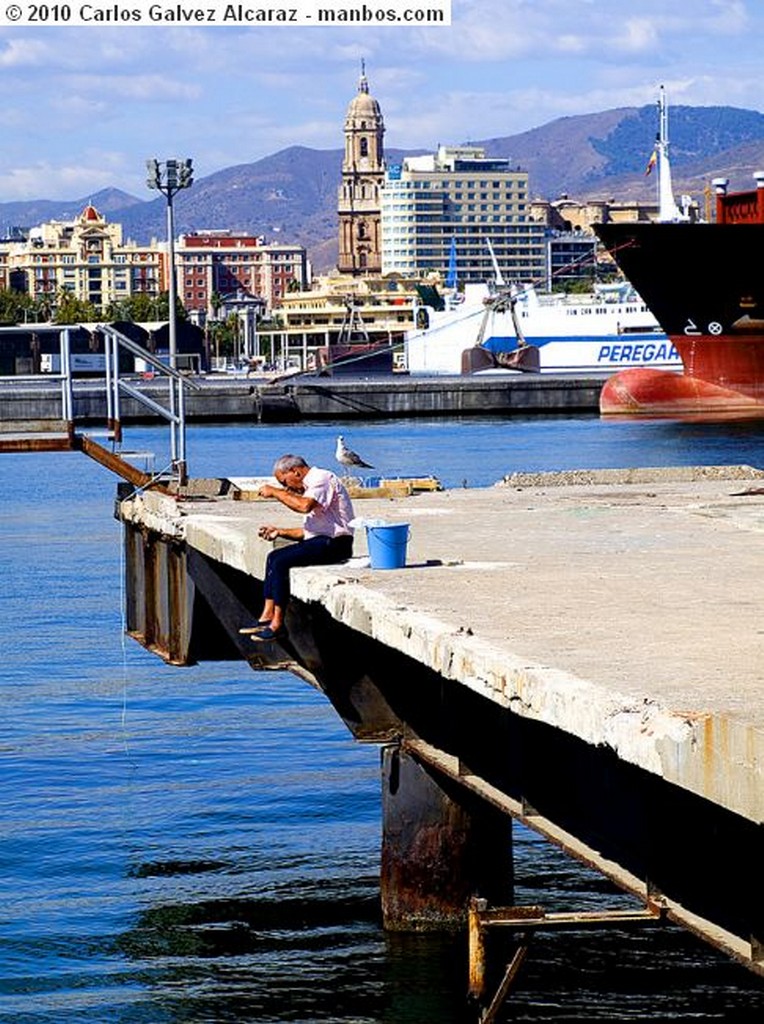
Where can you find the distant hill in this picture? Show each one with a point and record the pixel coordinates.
(292, 194)
(37, 211)
(605, 154)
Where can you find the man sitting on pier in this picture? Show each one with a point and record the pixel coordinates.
(325, 538)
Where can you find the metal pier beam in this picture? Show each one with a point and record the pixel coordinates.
(439, 847)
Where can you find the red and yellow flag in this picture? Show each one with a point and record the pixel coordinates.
(651, 162)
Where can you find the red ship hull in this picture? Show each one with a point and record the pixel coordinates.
(718, 377)
(645, 392)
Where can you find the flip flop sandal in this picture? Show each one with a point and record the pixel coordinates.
(258, 627)
(267, 634)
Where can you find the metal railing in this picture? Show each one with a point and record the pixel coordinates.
(63, 375)
(116, 386)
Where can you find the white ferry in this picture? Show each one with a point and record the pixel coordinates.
(607, 330)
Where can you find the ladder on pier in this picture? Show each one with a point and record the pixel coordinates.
(63, 432)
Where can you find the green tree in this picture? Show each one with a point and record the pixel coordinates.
(577, 286)
(222, 337)
(16, 307)
(71, 310)
(136, 308)
(142, 307)
(163, 307)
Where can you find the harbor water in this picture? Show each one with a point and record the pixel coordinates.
(201, 845)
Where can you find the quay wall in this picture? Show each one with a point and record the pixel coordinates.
(40, 402)
(316, 398)
(400, 395)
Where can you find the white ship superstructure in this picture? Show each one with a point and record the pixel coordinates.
(606, 330)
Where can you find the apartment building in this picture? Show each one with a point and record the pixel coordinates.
(213, 266)
(86, 257)
(460, 194)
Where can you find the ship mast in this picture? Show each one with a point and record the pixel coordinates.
(667, 208)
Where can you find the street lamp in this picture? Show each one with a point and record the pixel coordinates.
(169, 177)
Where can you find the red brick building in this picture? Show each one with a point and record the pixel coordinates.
(216, 265)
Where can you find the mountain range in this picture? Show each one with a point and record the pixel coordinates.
(292, 194)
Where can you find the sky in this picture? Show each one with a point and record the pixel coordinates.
(84, 106)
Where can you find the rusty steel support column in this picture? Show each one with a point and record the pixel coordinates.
(152, 589)
(180, 605)
(134, 582)
(162, 618)
(159, 595)
(440, 847)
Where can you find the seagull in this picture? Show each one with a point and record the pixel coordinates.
(347, 457)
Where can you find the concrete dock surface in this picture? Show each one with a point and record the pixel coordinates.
(623, 607)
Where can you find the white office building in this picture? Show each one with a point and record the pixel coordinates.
(457, 201)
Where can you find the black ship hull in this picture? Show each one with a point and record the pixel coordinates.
(704, 283)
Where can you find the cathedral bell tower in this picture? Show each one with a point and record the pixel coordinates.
(363, 168)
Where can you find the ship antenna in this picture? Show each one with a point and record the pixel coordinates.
(667, 208)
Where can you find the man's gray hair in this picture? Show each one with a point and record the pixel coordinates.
(287, 462)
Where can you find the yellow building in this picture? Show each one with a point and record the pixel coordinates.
(342, 319)
(87, 258)
(566, 214)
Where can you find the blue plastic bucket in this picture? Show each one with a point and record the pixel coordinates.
(387, 545)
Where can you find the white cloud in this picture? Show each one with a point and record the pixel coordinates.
(232, 96)
(147, 87)
(47, 180)
(24, 53)
(729, 16)
(595, 27)
(639, 34)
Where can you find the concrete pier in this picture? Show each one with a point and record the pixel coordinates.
(581, 652)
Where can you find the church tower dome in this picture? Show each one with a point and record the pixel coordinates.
(363, 169)
(363, 105)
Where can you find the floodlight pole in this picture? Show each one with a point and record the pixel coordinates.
(172, 284)
(169, 177)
